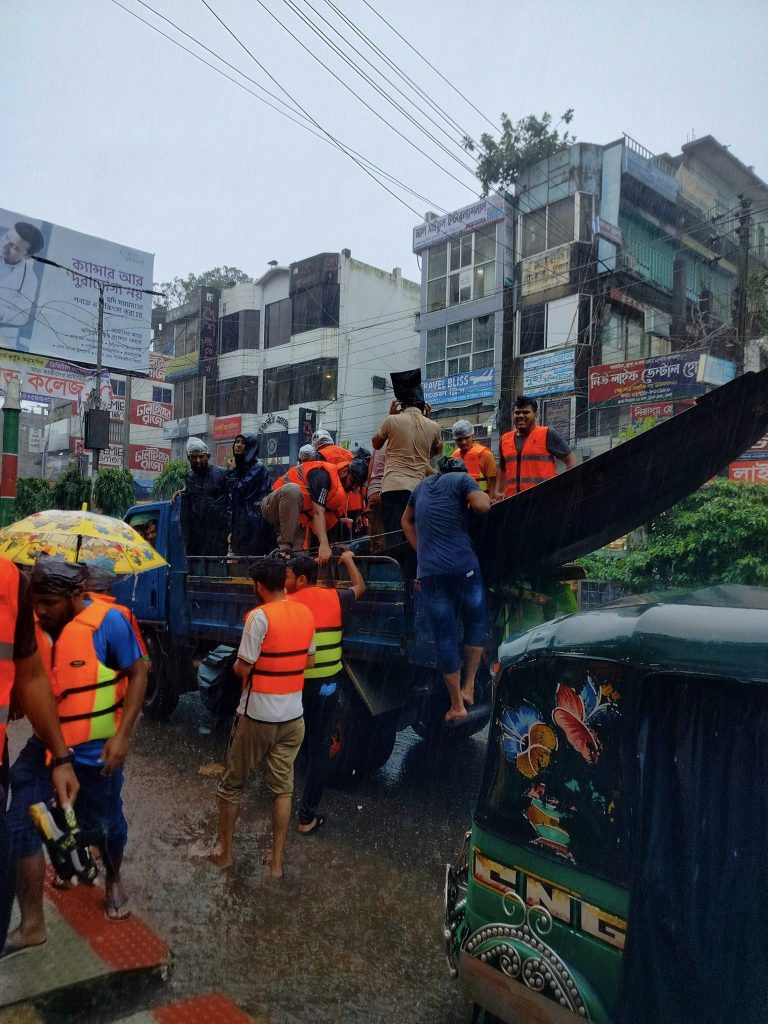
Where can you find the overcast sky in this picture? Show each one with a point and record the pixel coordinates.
(110, 129)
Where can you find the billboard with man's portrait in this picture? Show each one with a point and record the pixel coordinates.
(48, 311)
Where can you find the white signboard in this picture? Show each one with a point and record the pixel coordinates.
(549, 374)
(476, 215)
(52, 312)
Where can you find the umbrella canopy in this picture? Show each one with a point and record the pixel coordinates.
(78, 537)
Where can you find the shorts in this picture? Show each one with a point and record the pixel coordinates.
(98, 807)
(455, 603)
(274, 743)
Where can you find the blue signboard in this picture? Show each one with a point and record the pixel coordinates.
(461, 387)
(549, 373)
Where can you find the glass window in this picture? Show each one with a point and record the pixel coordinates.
(313, 381)
(436, 294)
(484, 328)
(250, 320)
(485, 245)
(238, 395)
(460, 347)
(453, 290)
(485, 280)
(437, 261)
(229, 332)
(560, 222)
(435, 344)
(161, 395)
(315, 307)
(533, 232)
(466, 250)
(277, 323)
(532, 338)
(118, 387)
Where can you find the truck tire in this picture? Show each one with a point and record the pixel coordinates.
(162, 694)
(360, 743)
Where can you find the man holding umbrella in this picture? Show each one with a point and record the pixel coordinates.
(98, 677)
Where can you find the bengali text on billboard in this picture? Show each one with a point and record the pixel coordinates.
(659, 378)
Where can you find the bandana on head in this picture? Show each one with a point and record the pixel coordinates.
(52, 575)
(194, 444)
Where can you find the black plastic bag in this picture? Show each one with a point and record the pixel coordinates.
(220, 689)
(405, 382)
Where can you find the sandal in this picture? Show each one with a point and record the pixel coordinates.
(117, 911)
(318, 822)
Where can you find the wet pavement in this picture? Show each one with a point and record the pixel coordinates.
(353, 933)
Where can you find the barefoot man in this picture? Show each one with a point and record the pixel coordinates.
(276, 646)
(435, 524)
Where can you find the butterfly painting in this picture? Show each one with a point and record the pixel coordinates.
(526, 740)
(577, 713)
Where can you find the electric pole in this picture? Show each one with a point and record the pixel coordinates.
(743, 274)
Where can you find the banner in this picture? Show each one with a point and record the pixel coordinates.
(476, 215)
(46, 380)
(157, 365)
(758, 451)
(307, 425)
(227, 427)
(147, 458)
(656, 411)
(645, 380)
(461, 387)
(549, 373)
(53, 312)
(150, 414)
(208, 331)
(754, 472)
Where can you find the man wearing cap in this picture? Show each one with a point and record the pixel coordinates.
(18, 283)
(23, 678)
(308, 454)
(435, 525)
(323, 444)
(98, 677)
(311, 498)
(205, 507)
(479, 460)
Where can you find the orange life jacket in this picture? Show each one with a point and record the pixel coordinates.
(9, 610)
(98, 595)
(325, 606)
(472, 460)
(336, 501)
(89, 695)
(530, 466)
(336, 455)
(280, 665)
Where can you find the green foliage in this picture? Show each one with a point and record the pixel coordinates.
(33, 494)
(71, 490)
(170, 480)
(638, 427)
(521, 143)
(757, 303)
(184, 289)
(717, 535)
(114, 492)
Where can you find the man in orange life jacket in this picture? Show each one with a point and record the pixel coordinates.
(311, 496)
(480, 462)
(276, 647)
(528, 453)
(22, 677)
(330, 608)
(323, 444)
(99, 580)
(98, 677)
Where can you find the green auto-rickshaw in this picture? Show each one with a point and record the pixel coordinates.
(616, 867)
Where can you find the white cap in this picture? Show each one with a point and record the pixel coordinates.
(321, 437)
(306, 452)
(462, 428)
(195, 444)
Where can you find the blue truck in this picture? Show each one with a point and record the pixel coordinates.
(390, 678)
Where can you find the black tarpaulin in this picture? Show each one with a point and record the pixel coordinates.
(697, 950)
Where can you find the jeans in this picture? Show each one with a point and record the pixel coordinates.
(319, 717)
(455, 603)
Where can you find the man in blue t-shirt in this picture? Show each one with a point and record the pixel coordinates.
(435, 524)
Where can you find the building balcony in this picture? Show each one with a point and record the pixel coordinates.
(649, 170)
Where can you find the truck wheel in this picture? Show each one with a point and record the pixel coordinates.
(162, 694)
(360, 743)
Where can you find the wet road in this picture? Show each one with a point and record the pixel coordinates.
(353, 933)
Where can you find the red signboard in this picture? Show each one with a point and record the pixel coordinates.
(644, 381)
(157, 365)
(226, 427)
(150, 414)
(753, 472)
(652, 410)
(148, 458)
(759, 450)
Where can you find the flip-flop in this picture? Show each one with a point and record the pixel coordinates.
(11, 949)
(63, 883)
(116, 912)
(319, 821)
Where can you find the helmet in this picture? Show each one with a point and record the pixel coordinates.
(306, 452)
(358, 470)
(448, 465)
(462, 428)
(321, 437)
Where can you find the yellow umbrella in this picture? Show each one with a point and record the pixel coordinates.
(79, 537)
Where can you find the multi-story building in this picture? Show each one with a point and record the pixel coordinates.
(304, 346)
(619, 271)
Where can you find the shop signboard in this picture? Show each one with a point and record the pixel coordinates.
(461, 387)
(758, 451)
(227, 427)
(549, 373)
(657, 379)
(651, 411)
(307, 425)
(476, 215)
(147, 458)
(146, 413)
(754, 471)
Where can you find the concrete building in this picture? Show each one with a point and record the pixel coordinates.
(303, 347)
(619, 271)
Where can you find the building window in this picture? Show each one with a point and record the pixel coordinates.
(624, 338)
(188, 398)
(547, 227)
(462, 269)
(229, 333)
(162, 395)
(459, 348)
(532, 329)
(116, 432)
(185, 337)
(315, 307)
(313, 381)
(237, 395)
(277, 323)
(553, 324)
(239, 331)
(118, 387)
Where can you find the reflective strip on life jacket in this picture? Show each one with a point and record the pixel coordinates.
(283, 656)
(9, 610)
(529, 467)
(325, 606)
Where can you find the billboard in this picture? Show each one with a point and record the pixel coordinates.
(657, 379)
(461, 387)
(147, 413)
(468, 218)
(208, 330)
(147, 458)
(53, 312)
(549, 373)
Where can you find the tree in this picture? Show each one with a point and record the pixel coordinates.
(757, 303)
(114, 492)
(717, 535)
(171, 479)
(184, 289)
(71, 490)
(33, 494)
(521, 143)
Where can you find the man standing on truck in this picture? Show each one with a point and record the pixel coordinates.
(98, 677)
(481, 464)
(528, 454)
(205, 511)
(311, 497)
(330, 608)
(277, 646)
(435, 524)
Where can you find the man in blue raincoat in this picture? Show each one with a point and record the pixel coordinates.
(247, 483)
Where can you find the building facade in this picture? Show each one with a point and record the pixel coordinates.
(305, 346)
